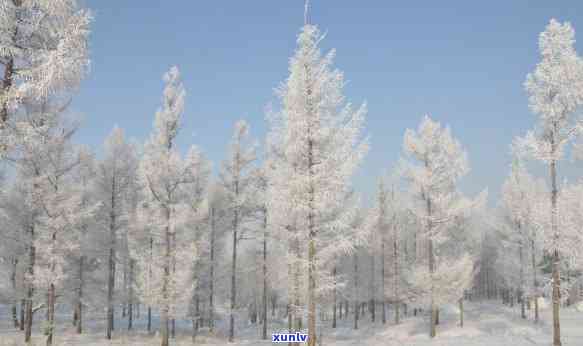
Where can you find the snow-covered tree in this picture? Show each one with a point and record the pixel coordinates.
(167, 181)
(47, 160)
(83, 263)
(115, 178)
(319, 148)
(436, 163)
(555, 91)
(239, 184)
(43, 51)
(520, 192)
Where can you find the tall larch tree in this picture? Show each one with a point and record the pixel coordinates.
(115, 177)
(436, 162)
(555, 91)
(319, 148)
(238, 180)
(43, 53)
(167, 181)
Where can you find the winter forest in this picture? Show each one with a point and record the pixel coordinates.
(140, 242)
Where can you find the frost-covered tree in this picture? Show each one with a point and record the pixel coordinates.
(436, 163)
(115, 178)
(83, 263)
(167, 181)
(16, 217)
(555, 91)
(216, 223)
(47, 160)
(238, 182)
(520, 193)
(43, 51)
(319, 147)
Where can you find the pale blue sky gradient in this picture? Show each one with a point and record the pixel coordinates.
(462, 62)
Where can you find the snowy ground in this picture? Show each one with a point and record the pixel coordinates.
(486, 324)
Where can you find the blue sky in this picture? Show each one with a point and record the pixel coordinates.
(462, 62)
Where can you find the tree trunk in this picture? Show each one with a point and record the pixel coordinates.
(6, 85)
(22, 313)
(521, 257)
(150, 277)
(372, 304)
(173, 259)
(149, 320)
(233, 279)
(396, 270)
(194, 329)
(79, 309)
(131, 296)
(51, 301)
(334, 299)
(355, 291)
(264, 330)
(165, 283)
(462, 312)
(433, 308)
(111, 263)
(556, 278)
(14, 299)
(534, 283)
(289, 318)
(30, 288)
(383, 278)
(212, 272)
(273, 304)
(51, 314)
(311, 251)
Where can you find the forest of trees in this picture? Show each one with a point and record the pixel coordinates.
(277, 231)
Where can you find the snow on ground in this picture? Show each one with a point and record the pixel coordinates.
(486, 324)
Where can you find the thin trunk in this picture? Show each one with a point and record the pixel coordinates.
(194, 329)
(51, 314)
(30, 288)
(14, 301)
(173, 255)
(356, 291)
(212, 272)
(22, 313)
(79, 308)
(7, 82)
(521, 293)
(131, 296)
(462, 312)
(51, 301)
(534, 283)
(556, 282)
(233, 278)
(372, 306)
(165, 310)
(150, 278)
(433, 308)
(111, 262)
(264, 331)
(273, 304)
(149, 319)
(383, 278)
(334, 298)
(289, 318)
(124, 305)
(396, 267)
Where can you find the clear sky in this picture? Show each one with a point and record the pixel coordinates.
(462, 62)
